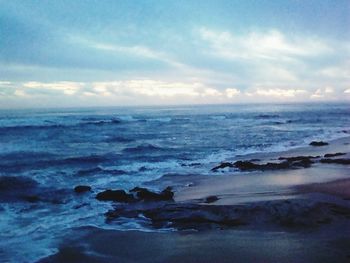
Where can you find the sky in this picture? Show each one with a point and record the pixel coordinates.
(143, 52)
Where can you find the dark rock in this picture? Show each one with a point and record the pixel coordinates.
(222, 166)
(303, 163)
(167, 193)
(82, 189)
(146, 195)
(211, 199)
(115, 195)
(333, 154)
(191, 216)
(138, 189)
(337, 161)
(17, 188)
(21, 188)
(298, 158)
(318, 143)
(246, 166)
(288, 162)
(291, 214)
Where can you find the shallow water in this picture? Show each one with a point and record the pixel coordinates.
(122, 148)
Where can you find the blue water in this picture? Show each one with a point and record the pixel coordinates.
(51, 151)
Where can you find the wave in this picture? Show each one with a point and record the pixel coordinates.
(20, 155)
(27, 127)
(15, 165)
(144, 148)
(267, 116)
(161, 119)
(99, 170)
(11, 183)
(102, 122)
(53, 125)
(218, 117)
(118, 139)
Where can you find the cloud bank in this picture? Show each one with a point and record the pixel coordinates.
(143, 53)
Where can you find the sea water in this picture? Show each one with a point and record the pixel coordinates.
(47, 152)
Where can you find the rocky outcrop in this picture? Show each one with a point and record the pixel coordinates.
(211, 199)
(328, 155)
(337, 161)
(246, 166)
(146, 195)
(115, 195)
(137, 194)
(287, 163)
(298, 158)
(285, 214)
(318, 143)
(223, 166)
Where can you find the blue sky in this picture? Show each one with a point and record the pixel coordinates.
(110, 53)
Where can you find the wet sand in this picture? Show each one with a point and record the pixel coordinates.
(97, 245)
(339, 188)
(258, 186)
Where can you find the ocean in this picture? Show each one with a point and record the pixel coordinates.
(45, 153)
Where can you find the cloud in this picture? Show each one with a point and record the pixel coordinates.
(150, 92)
(321, 93)
(337, 73)
(154, 88)
(277, 93)
(133, 50)
(269, 45)
(66, 87)
(230, 93)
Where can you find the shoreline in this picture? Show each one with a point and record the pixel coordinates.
(294, 215)
(229, 186)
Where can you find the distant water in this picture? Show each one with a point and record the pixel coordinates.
(51, 151)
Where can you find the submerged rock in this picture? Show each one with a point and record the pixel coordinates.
(246, 165)
(318, 143)
(303, 163)
(25, 189)
(337, 161)
(222, 166)
(211, 199)
(82, 189)
(136, 194)
(146, 195)
(15, 183)
(16, 188)
(115, 195)
(298, 158)
(333, 154)
(285, 214)
(287, 163)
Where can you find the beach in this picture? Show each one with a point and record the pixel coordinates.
(309, 221)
